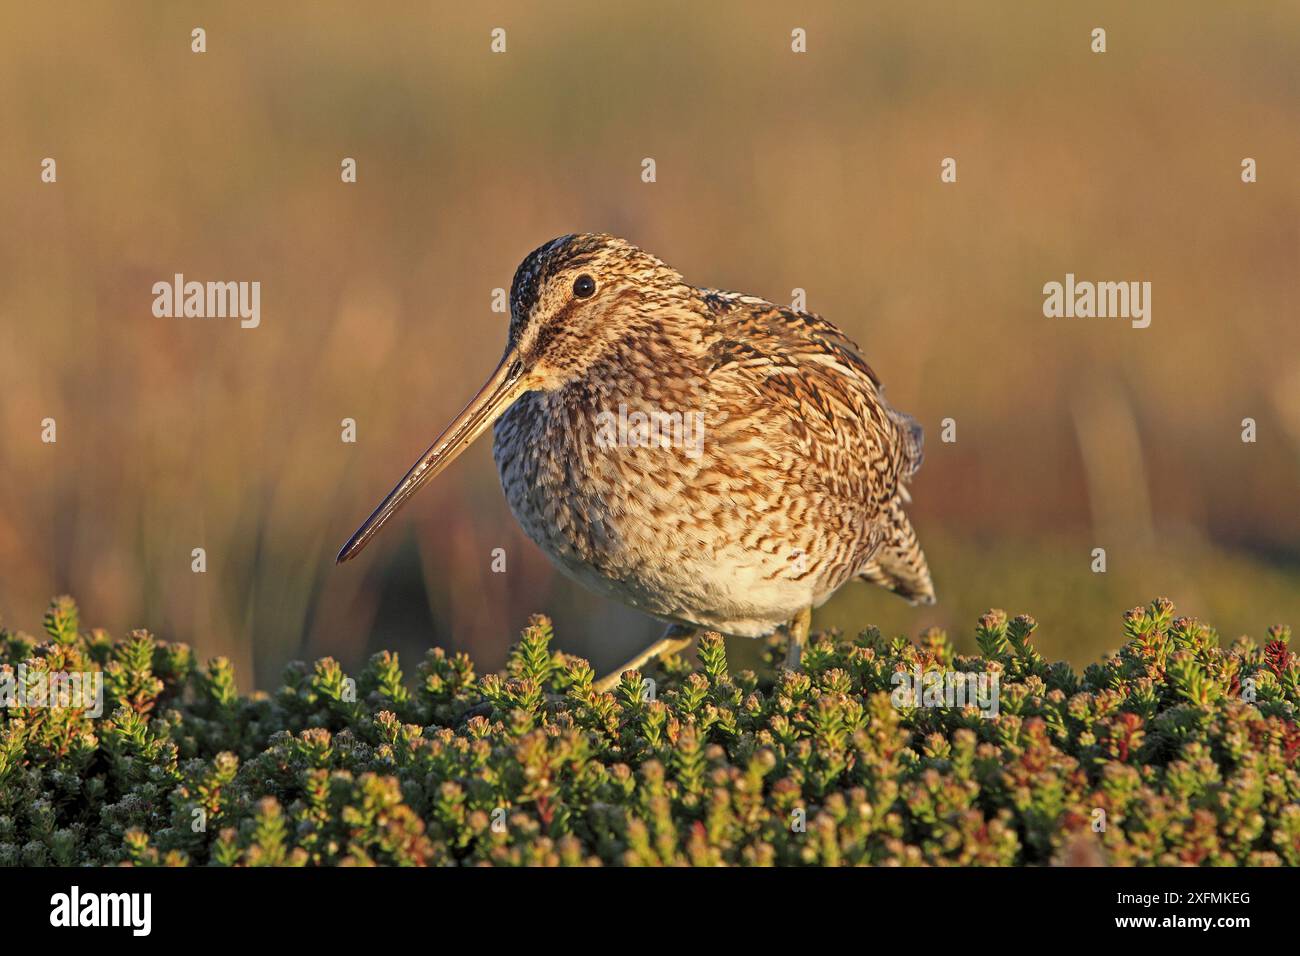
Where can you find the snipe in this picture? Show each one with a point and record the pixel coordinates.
(709, 458)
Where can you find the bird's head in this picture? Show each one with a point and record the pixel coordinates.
(579, 297)
(574, 301)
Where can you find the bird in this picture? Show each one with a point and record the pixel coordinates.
(709, 458)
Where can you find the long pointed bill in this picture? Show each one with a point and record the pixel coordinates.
(506, 384)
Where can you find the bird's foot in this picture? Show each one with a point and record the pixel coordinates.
(798, 629)
(676, 638)
(485, 708)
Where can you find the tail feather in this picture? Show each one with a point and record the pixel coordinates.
(912, 443)
(899, 564)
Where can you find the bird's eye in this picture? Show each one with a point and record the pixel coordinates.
(584, 287)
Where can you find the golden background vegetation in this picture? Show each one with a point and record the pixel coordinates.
(775, 171)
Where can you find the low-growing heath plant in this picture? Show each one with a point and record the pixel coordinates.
(1175, 750)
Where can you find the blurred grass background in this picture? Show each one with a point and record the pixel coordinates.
(775, 171)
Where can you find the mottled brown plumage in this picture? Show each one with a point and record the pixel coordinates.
(793, 486)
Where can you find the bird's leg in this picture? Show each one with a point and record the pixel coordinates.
(678, 637)
(798, 630)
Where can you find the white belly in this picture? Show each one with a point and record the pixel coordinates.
(708, 540)
(738, 597)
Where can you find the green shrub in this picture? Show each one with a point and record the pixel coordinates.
(1173, 751)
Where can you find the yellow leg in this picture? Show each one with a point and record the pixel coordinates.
(798, 630)
(676, 638)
